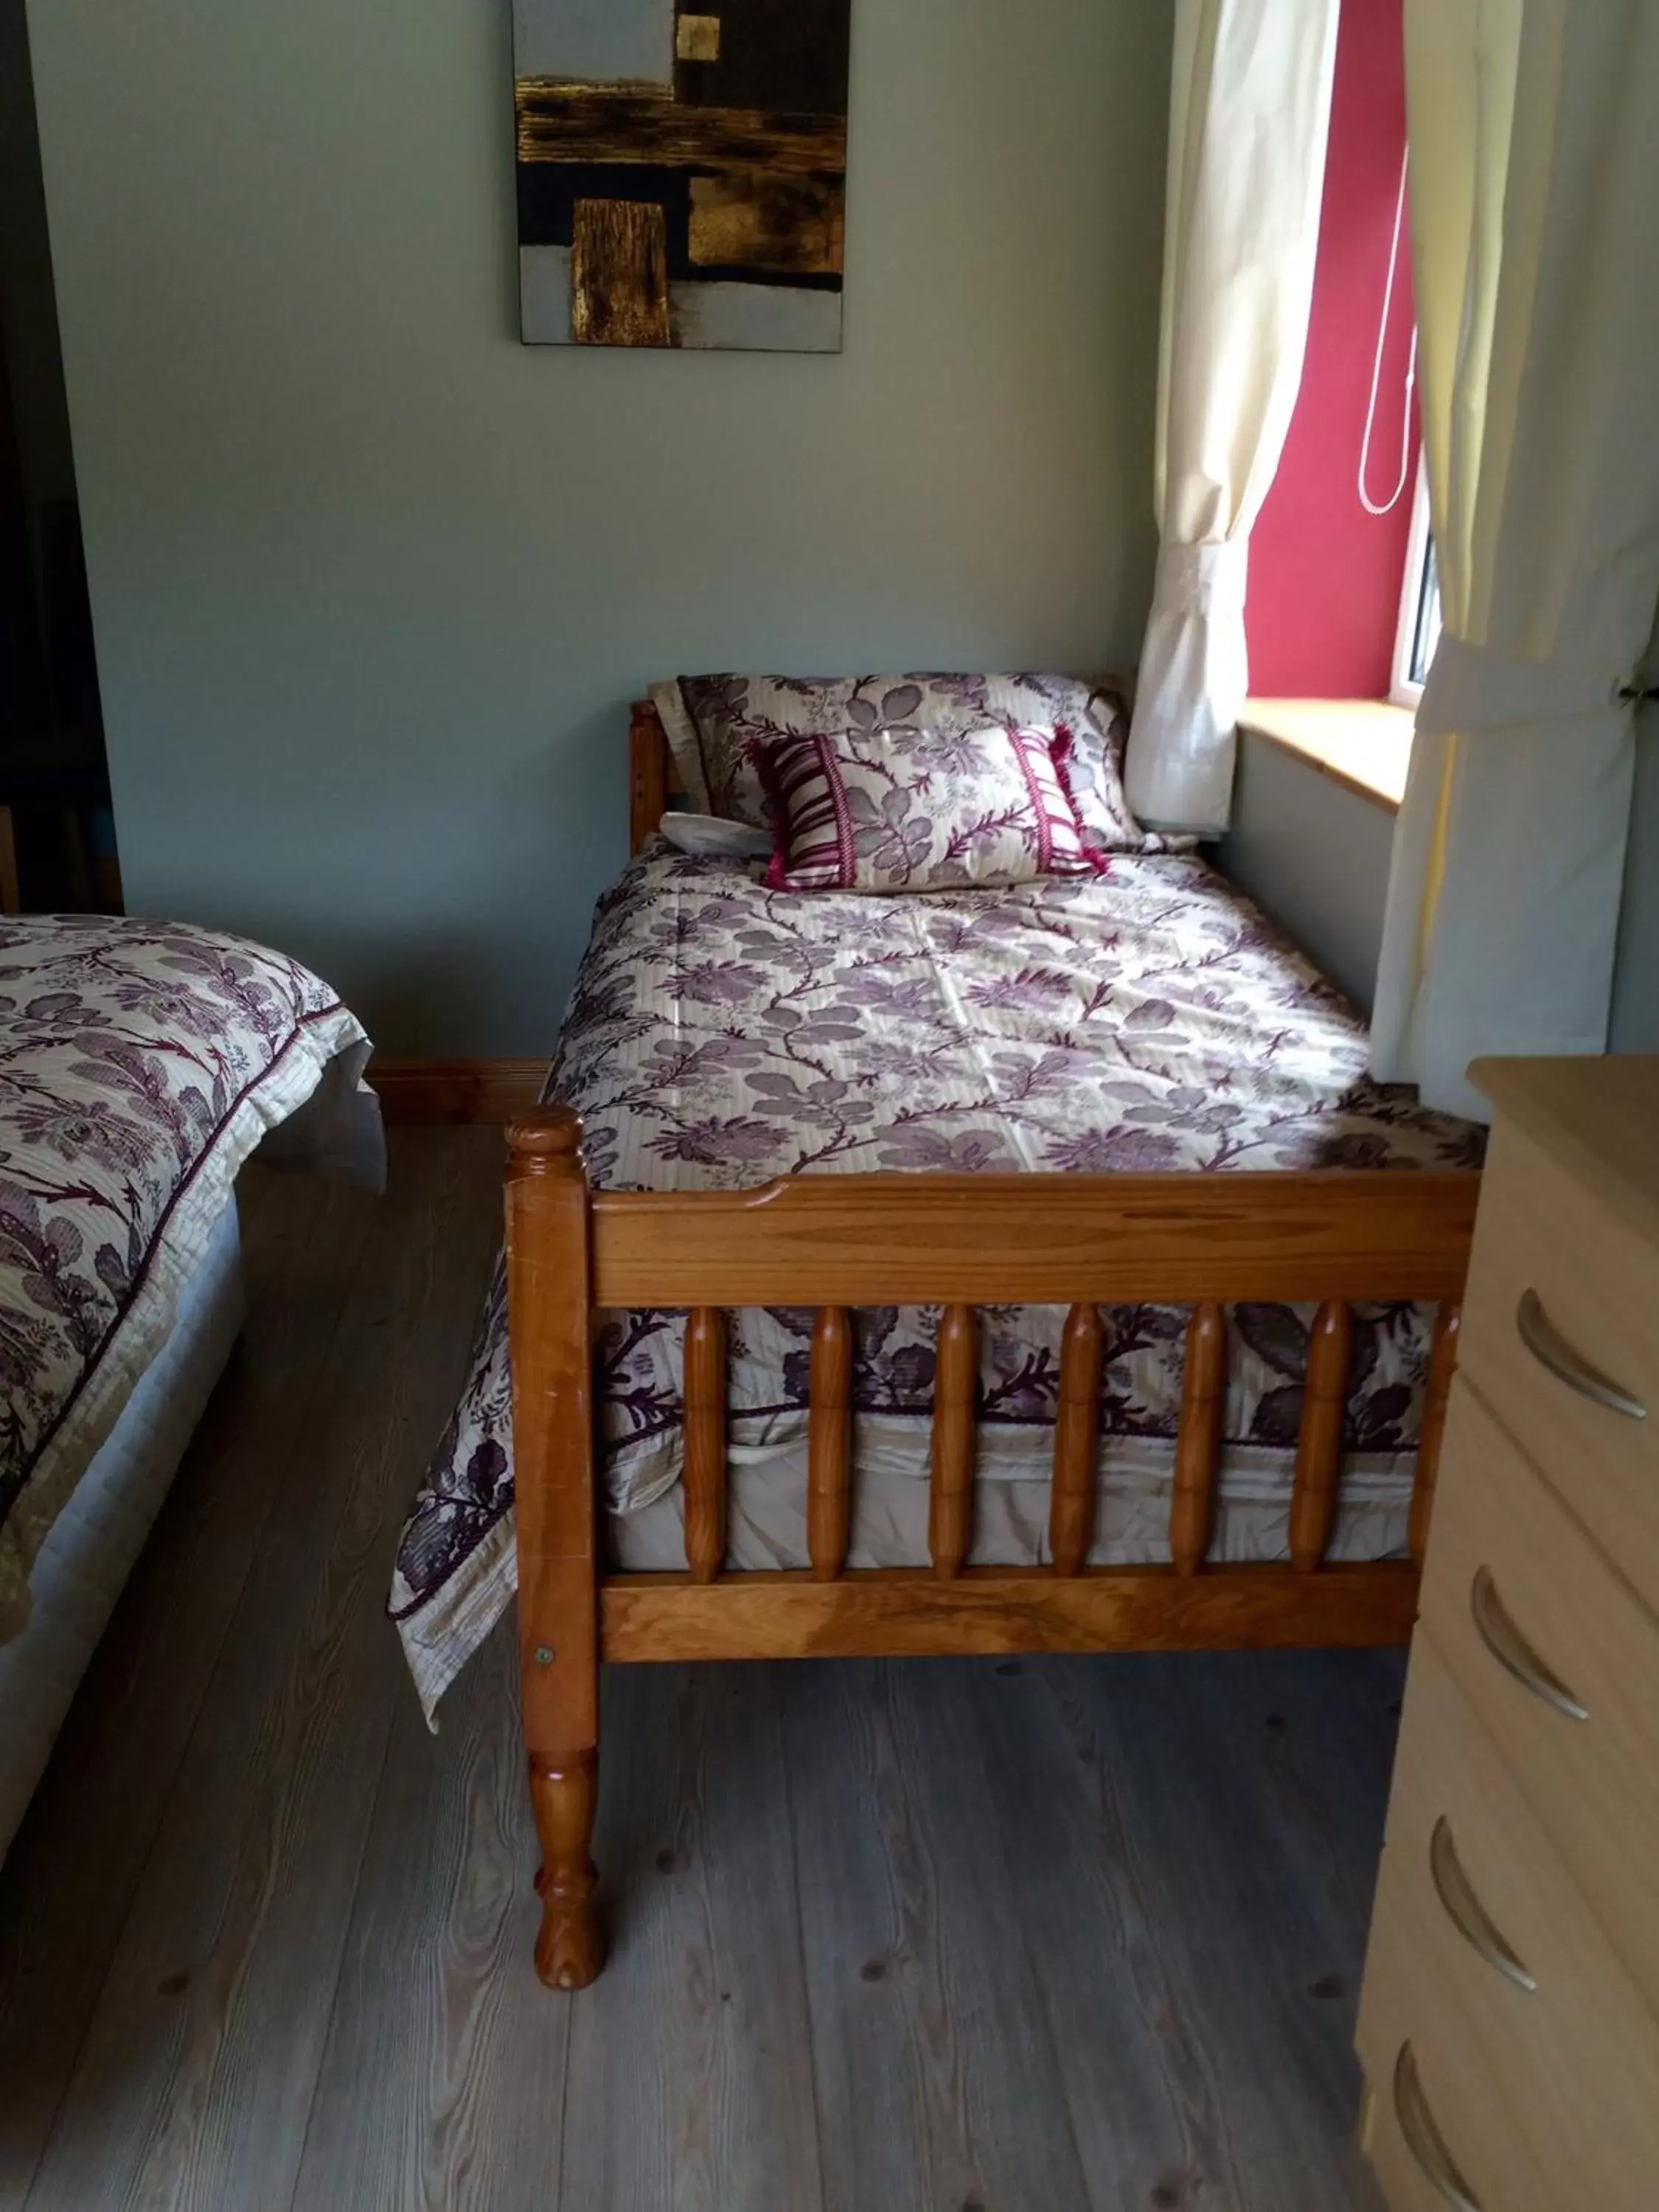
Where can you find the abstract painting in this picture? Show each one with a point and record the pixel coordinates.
(682, 176)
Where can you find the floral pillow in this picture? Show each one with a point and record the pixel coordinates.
(715, 724)
(921, 810)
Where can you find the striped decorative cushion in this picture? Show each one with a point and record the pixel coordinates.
(921, 810)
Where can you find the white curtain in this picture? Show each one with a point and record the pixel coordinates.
(1533, 126)
(1249, 108)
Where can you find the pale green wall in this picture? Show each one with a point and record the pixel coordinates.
(1314, 856)
(374, 585)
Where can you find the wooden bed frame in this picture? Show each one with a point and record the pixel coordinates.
(1330, 1238)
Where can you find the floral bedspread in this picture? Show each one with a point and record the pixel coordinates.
(720, 1035)
(140, 1062)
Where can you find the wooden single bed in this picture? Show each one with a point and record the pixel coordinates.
(1329, 1237)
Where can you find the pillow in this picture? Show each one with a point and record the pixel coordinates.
(713, 722)
(706, 837)
(920, 810)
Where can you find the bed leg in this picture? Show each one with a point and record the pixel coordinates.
(569, 1950)
(549, 1322)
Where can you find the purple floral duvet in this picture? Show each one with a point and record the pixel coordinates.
(721, 1034)
(139, 1063)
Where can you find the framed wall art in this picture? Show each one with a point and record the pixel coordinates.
(681, 174)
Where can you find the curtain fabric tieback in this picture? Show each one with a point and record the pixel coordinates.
(1475, 686)
(1202, 579)
(1194, 674)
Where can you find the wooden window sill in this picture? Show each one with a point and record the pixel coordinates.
(1364, 744)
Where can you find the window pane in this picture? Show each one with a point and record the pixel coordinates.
(1425, 634)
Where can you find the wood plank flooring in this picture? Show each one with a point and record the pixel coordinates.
(1057, 1935)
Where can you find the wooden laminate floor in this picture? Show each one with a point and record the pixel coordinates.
(922, 1937)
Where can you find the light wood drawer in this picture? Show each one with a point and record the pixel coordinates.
(1405, 2187)
(1499, 2135)
(1592, 1783)
(1473, 1904)
(1596, 1283)
(1464, 2083)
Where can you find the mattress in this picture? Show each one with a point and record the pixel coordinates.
(766, 1509)
(721, 1034)
(82, 1566)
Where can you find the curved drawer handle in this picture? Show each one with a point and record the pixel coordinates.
(1423, 2138)
(1465, 1910)
(1551, 1349)
(1512, 1651)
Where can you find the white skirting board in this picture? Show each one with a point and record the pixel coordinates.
(85, 1560)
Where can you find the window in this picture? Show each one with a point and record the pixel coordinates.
(1419, 631)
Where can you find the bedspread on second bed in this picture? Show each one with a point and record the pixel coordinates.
(141, 1062)
(720, 1035)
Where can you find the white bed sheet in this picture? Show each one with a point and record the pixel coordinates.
(83, 1567)
(766, 1502)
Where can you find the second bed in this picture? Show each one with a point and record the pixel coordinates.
(1149, 1020)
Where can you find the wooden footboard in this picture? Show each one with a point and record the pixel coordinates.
(834, 1243)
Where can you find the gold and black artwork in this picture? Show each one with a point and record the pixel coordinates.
(682, 177)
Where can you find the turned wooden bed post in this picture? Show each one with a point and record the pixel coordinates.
(549, 1315)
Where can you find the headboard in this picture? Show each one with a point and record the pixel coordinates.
(653, 779)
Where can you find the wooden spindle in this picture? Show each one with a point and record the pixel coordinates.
(829, 1442)
(1319, 1447)
(950, 1502)
(705, 1441)
(1198, 1441)
(1077, 1435)
(1442, 1365)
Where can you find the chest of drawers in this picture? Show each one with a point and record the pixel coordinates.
(1510, 2020)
